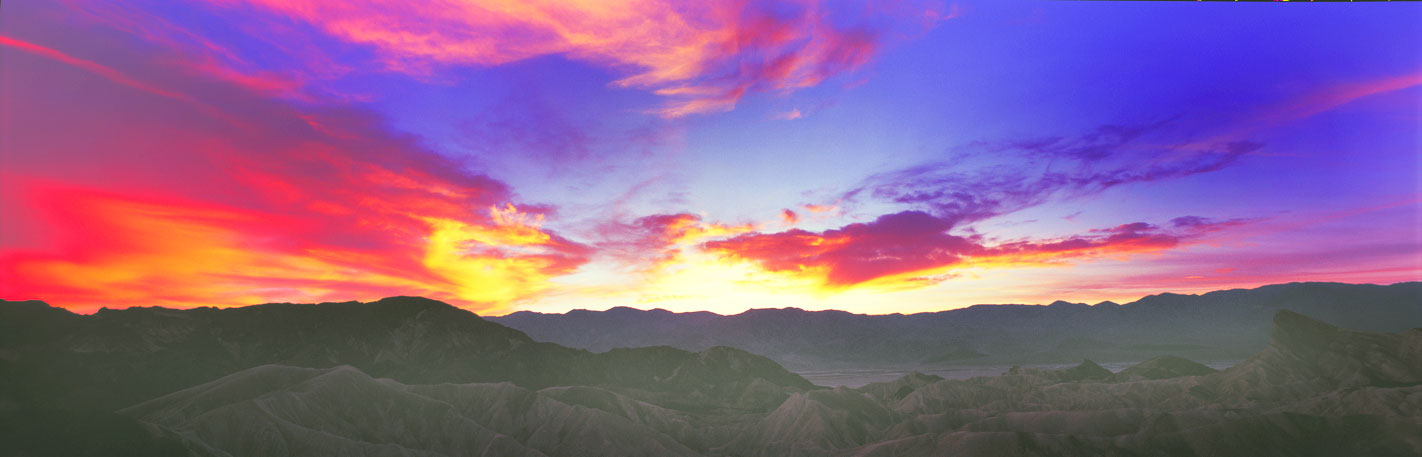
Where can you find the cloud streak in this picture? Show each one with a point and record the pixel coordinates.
(702, 56)
(1025, 173)
(908, 246)
(91, 67)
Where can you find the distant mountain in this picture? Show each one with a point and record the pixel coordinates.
(53, 359)
(1316, 390)
(415, 377)
(1277, 403)
(1223, 325)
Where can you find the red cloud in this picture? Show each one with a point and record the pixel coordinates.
(789, 216)
(892, 244)
(903, 245)
(162, 202)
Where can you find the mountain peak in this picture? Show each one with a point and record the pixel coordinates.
(1086, 370)
(1164, 367)
(393, 307)
(1299, 332)
(31, 307)
(1063, 304)
(409, 301)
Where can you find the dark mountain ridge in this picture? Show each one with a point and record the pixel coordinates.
(50, 357)
(1221, 325)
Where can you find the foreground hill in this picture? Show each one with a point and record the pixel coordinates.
(1314, 390)
(53, 359)
(1223, 325)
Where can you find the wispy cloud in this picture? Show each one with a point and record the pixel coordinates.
(702, 56)
(789, 115)
(1025, 173)
(91, 67)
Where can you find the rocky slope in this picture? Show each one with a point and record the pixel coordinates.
(1315, 390)
(281, 410)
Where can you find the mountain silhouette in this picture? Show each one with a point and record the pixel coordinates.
(1223, 325)
(56, 358)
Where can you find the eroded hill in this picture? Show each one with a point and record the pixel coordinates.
(412, 377)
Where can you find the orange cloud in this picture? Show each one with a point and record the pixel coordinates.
(130, 250)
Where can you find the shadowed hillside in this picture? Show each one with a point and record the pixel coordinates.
(54, 358)
(415, 377)
(1316, 390)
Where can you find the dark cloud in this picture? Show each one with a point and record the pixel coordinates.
(1020, 174)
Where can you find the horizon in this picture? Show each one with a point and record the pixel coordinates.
(602, 310)
(872, 158)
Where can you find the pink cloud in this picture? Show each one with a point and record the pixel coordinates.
(702, 56)
(902, 246)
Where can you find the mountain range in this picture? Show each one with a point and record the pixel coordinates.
(1225, 325)
(407, 376)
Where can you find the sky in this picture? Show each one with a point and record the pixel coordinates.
(548, 155)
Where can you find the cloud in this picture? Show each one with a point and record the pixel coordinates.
(1330, 97)
(89, 66)
(789, 217)
(702, 56)
(160, 202)
(654, 240)
(523, 125)
(992, 178)
(908, 247)
(789, 115)
(892, 244)
(221, 59)
(1028, 172)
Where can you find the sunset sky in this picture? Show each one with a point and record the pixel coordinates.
(549, 155)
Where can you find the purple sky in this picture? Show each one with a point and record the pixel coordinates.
(881, 157)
